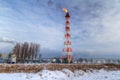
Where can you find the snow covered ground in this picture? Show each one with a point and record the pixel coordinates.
(64, 74)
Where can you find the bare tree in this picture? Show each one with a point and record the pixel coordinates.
(26, 51)
(1, 55)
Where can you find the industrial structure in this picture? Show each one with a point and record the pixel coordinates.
(67, 42)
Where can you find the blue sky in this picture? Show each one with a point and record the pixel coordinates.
(95, 26)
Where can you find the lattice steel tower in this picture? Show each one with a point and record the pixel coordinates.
(67, 42)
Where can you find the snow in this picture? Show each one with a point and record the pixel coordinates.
(64, 74)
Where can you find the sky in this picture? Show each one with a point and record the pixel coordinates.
(95, 26)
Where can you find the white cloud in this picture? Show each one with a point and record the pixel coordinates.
(7, 40)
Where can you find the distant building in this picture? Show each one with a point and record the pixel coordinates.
(98, 61)
(13, 58)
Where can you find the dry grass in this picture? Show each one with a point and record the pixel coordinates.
(9, 68)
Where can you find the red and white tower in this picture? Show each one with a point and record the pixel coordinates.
(67, 42)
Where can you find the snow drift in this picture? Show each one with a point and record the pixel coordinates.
(64, 74)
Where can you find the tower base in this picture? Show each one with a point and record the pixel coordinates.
(66, 60)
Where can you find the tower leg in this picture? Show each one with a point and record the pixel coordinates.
(69, 58)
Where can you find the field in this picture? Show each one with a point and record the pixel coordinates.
(27, 68)
(59, 72)
(64, 74)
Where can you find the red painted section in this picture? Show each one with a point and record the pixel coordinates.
(67, 49)
(67, 35)
(67, 22)
(67, 15)
(67, 28)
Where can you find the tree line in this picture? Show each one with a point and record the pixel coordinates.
(26, 52)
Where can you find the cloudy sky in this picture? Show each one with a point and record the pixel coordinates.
(95, 26)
